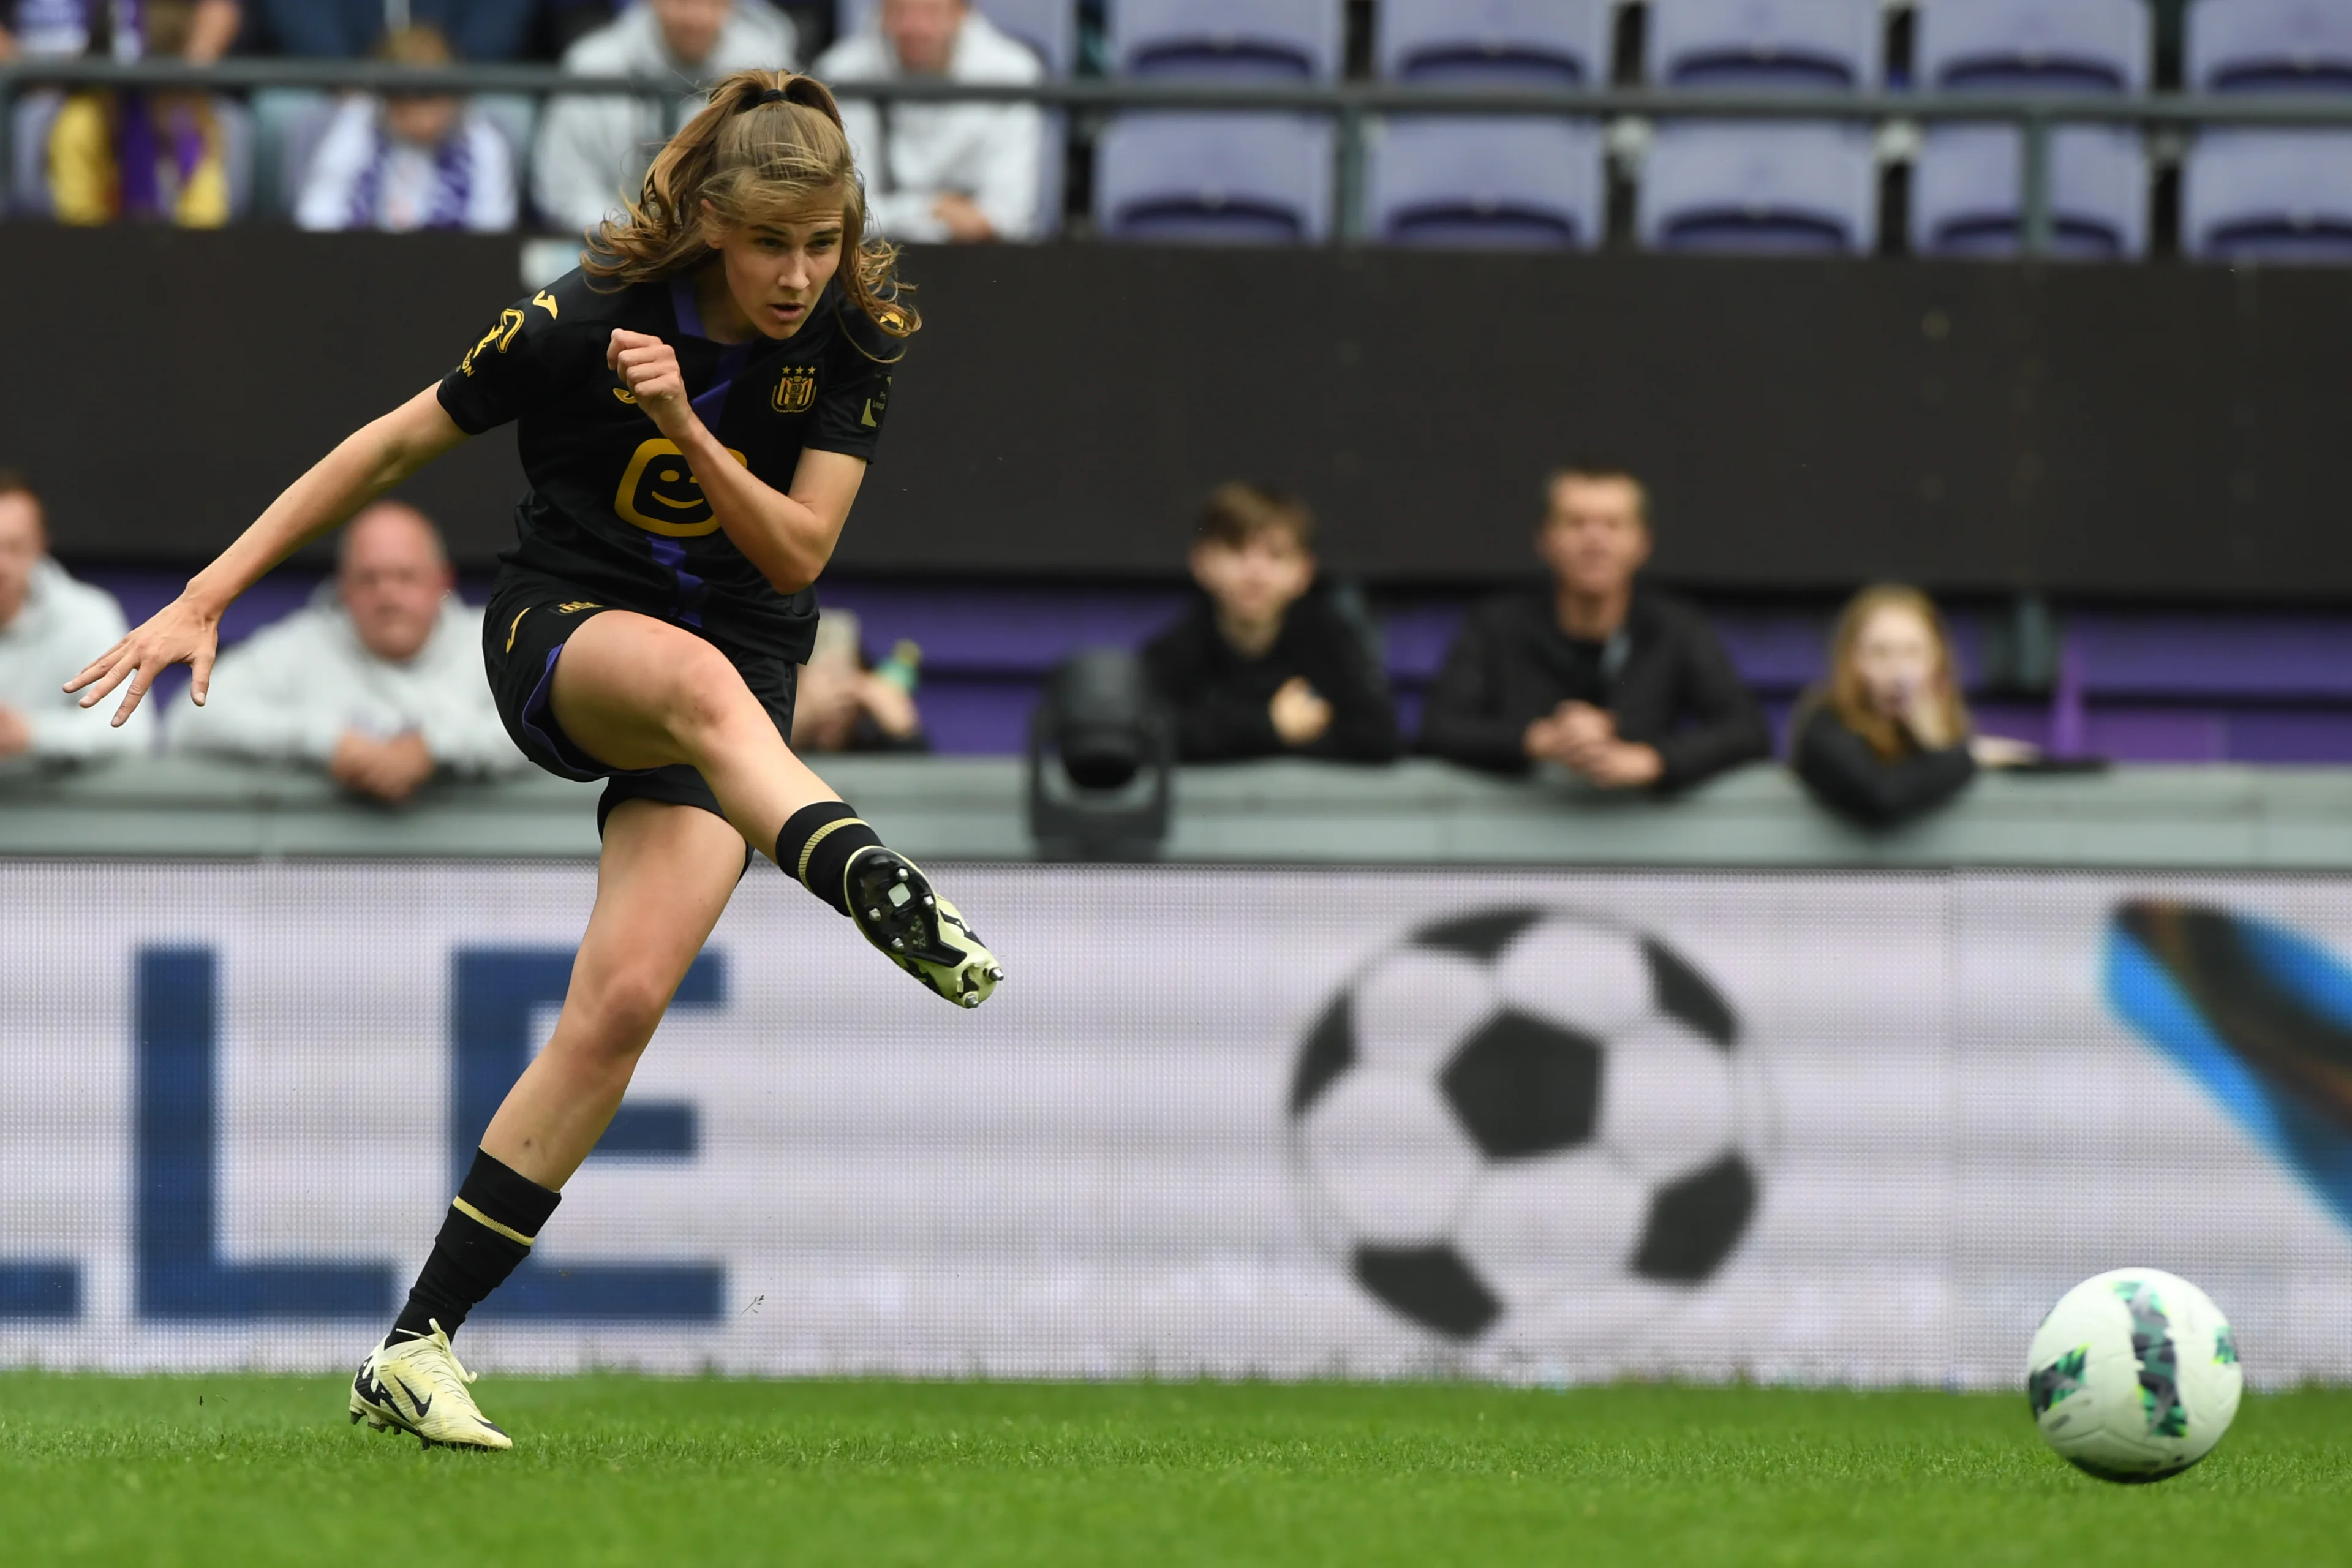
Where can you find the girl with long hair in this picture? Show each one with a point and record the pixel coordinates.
(1889, 736)
(696, 406)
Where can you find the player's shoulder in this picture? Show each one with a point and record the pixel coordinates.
(578, 299)
(858, 337)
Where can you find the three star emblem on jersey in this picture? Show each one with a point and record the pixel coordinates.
(797, 390)
(660, 494)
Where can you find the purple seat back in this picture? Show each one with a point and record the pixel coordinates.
(2270, 46)
(2071, 46)
(1966, 196)
(1210, 178)
(1478, 181)
(1768, 187)
(1243, 40)
(1816, 44)
(1501, 43)
(1048, 27)
(2268, 196)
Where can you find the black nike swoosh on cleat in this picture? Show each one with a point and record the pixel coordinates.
(423, 1406)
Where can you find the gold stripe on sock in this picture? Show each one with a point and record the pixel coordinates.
(817, 838)
(478, 1217)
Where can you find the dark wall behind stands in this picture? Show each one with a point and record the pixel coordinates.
(2158, 429)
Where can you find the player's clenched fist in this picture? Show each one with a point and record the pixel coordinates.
(648, 367)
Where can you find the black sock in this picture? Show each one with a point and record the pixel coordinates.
(816, 847)
(492, 1221)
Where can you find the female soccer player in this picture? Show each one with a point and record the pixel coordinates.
(697, 405)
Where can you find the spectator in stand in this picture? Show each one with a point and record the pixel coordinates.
(942, 171)
(351, 29)
(1264, 665)
(845, 705)
(1889, 738)
(594, 151)
(1612, 680)
(48, 625)
(410, 160)
(148, 156)
(62, 29)
(379, 682)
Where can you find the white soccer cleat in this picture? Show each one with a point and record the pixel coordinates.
(893, 903)
(416, 1386)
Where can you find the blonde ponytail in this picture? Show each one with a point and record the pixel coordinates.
(767, 141)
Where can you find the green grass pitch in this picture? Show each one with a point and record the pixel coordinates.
(613, 1469)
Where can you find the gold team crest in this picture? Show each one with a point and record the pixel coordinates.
(797, 390)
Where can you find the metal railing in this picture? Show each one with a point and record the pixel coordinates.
(1349, 105)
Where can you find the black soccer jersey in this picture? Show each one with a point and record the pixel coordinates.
(612, 505)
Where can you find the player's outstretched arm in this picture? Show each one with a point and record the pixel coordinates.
(369, 461)
(788, 537)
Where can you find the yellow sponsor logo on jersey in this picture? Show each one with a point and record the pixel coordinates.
(574, 606)
(660, 494)
(625, 395)
(796, 390)
(502, 336)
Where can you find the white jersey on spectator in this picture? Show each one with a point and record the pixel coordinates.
(63, 625)
(291, 690)
(362, 177)
(913, 153)
(594, 152)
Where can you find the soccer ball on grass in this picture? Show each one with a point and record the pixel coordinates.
(2134, 1376)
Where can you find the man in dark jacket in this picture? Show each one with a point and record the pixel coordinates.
(1264, 665)
(1620, 684)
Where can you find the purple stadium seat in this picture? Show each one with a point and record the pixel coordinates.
(2270, 46)
(1501, 43)
(2268, 196)
(1816, 44)
(1210, 178)
(1475, 181)
(1966, 196)
(1048, 27)
(1724, 186)
(1243, 40)
(2072, 45)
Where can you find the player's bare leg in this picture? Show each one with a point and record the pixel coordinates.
(634, 693)
(665, 879)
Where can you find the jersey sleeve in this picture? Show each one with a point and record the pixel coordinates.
(855, 402)
(511, 370)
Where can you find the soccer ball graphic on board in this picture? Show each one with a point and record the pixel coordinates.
(2134, 1376)
(1522, 1112)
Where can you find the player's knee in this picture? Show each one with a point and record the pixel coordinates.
(706, 698)
(629, 1000)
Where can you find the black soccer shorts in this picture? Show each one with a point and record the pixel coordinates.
(523, 633)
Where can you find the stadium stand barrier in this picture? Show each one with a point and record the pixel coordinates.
(1351, 108)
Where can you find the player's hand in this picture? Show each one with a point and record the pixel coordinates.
(648, 367)
(1299, 713)
(179, 633)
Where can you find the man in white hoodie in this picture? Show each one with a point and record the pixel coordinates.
(592, 152)
(940, 172)
(50, 626)
(379, 680)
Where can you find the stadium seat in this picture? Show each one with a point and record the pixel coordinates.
(1966, 196)
(2002, 46)
(1207, 178)
(2270, 46)
(1501, 43)
(1048, 27)
(1724, 186)
(2268, 196)
(1816, 44)
(1243, 40)
(1520, 183)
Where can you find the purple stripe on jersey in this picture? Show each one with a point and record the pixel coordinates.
(692, 591)
(713, 403)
